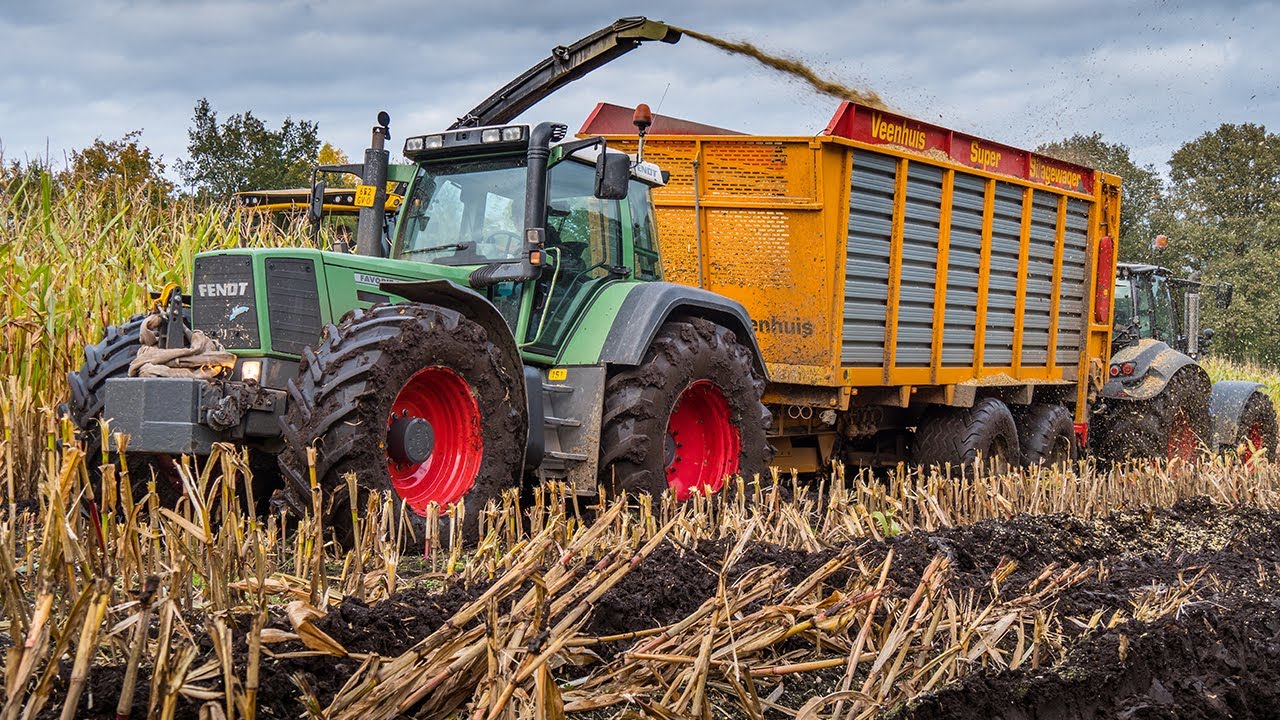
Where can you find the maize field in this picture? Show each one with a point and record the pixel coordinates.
(1141, 591)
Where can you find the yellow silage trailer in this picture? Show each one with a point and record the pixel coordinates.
(905, 282)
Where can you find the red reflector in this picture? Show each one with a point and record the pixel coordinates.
(1082, 434)
(1115, 370)
(1127, 368)
(1104, 280)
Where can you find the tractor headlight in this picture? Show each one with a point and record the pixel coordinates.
(491, 135)
(251, 370)
(413, 144)
(432, 142)
(512, 134)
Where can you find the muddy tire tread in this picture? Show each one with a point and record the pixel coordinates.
(639, 400)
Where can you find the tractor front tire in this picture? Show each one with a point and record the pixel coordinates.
(960, 436)
(687, 417)
(1171, 425)
(1046, 435)
(361, 397)
(109, 358)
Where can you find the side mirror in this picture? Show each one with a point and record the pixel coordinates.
(613, 173)
(316, 208)
(1223, 295)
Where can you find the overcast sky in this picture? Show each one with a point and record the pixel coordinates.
(1149, 74)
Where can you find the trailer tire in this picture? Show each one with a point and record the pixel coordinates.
(958, 436)
(1046, 434)
(1172, 424)
(1257, 430)
(109, 358)
(431, 363)
(697, 385)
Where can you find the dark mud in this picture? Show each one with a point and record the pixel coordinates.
(1215, 659)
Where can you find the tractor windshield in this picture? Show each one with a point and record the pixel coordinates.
(468, 212)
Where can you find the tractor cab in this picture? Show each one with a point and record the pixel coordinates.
(1153, 304)
(538, 229)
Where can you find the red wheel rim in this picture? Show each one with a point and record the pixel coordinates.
(442, 398)
(1254, 443)
(1182, 438)
(702, 443)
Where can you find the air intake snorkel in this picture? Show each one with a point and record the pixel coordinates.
(529, 265)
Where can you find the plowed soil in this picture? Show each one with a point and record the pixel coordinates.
(1217, 656)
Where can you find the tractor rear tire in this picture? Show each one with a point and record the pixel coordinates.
(1172, 424)
(109, 358)
(688, 416)
(960, 436)
(1046, 434)
(421, 361)
(1257, 431)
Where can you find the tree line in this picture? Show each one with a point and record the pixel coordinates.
(239, 152)
(1218, 204)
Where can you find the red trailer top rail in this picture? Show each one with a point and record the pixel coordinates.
(877, 127)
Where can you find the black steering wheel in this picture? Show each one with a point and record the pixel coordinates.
(515, 238)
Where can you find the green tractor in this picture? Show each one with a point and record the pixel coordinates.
(516, 330)
(1159, 402)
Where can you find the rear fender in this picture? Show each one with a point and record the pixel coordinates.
(1226, 405)
(649, 305)
(1155, 363)
(479, 310)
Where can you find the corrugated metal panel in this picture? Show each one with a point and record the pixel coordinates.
(866, 286)
(1036, 316)
(1072, 305)
(1002, 296)
(965, 257)
(919, 265)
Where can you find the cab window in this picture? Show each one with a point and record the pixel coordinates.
(584, 239)
(465, 213)
(644, 233)
(1163, 325)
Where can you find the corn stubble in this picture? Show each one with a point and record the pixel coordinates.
(95, 577)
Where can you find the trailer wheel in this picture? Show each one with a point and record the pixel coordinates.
(413, 399)
(960, 435)
(109, 358)
(1171, 425)
(687, 417)
(1046, 434)
(1257, 431)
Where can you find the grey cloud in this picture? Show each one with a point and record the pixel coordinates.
(1020, 72)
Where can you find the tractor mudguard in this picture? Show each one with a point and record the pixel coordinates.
(1154, 364)
(1226, 405)
(650, 304)
(479, 310)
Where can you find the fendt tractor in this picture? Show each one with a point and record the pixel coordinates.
(517, 327)
(887, 291)
(1158, 400)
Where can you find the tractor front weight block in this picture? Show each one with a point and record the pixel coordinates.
(177, 416)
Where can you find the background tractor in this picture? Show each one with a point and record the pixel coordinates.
(1159, 402)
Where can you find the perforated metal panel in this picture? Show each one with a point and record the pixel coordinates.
(747, 169)
(768, 235)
